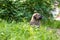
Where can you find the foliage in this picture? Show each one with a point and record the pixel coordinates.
(19, 9)
(23, 31)
(51, 23)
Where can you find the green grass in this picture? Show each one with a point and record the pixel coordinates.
(51, 23)
(23, 31)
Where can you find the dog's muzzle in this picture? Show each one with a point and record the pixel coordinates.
(40, 17)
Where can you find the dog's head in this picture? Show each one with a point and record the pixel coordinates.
(37, 16)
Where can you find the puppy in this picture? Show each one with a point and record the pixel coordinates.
(35, 20)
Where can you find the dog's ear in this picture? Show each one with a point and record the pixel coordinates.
(34, 17)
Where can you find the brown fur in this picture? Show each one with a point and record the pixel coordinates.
(35, 19)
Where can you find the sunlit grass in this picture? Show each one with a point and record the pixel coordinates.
(23, 31)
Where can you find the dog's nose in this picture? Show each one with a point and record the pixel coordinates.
(40, 17)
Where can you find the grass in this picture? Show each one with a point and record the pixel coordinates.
(23, 31)
(51, 23)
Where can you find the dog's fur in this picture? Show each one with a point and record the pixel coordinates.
(35, 19)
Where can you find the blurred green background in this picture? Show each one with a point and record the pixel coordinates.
(23, 9)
